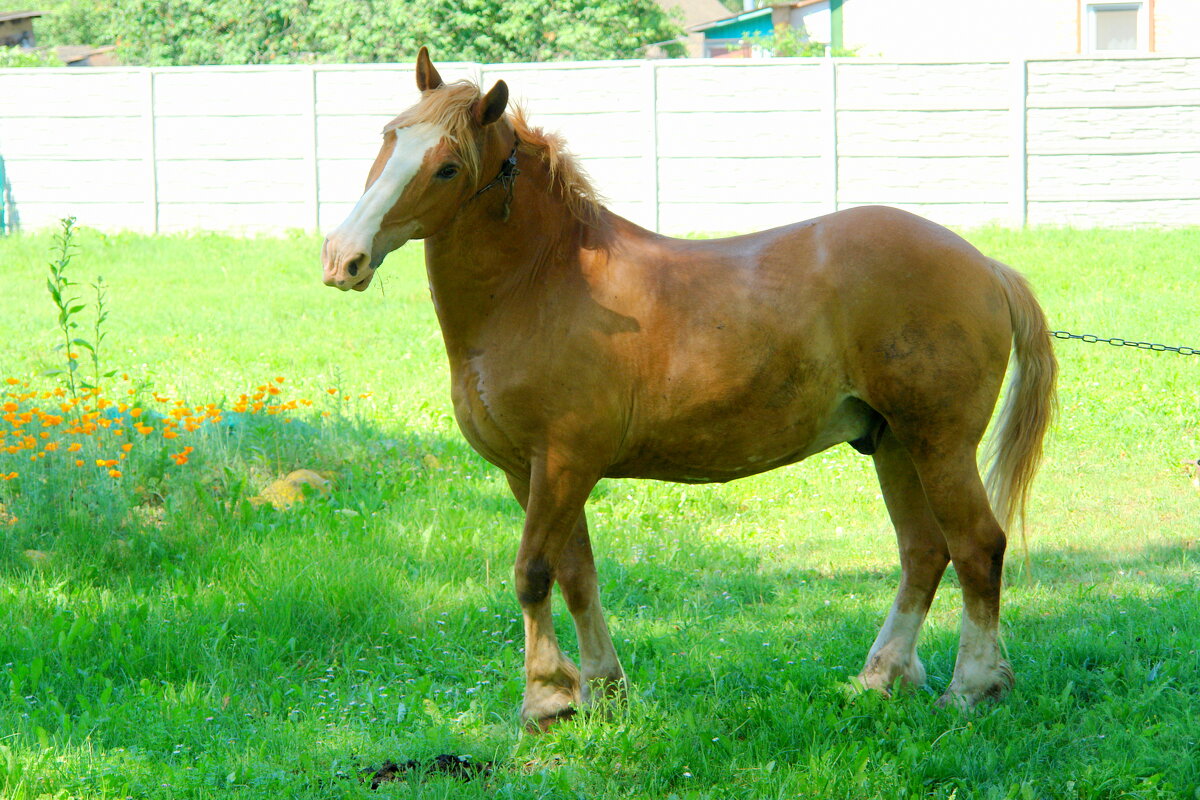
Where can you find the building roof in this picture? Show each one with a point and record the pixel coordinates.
(17, 16)
(695, 11)
(741, 16)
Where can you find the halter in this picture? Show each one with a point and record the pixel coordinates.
(506, 178)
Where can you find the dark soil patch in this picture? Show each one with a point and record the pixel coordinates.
(461, 767)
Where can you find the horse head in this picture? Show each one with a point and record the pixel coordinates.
(427, 168)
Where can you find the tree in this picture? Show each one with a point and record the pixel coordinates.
(184, 32)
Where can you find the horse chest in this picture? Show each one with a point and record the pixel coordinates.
(491, 414)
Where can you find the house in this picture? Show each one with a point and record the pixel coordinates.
(690, 13)
(732, 36)
(977, 29)
(16, 28)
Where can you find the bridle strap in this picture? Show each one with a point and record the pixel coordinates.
(506, 178)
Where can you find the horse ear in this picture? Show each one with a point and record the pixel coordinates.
(427, 75)
(491, 106)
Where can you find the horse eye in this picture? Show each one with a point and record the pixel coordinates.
(447, 172)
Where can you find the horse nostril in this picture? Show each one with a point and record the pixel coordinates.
(357, 263)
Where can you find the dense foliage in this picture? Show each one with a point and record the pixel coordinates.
(184, 32)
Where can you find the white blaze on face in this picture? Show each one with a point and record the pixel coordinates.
(358, 230)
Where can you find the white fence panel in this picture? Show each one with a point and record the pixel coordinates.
(675, 146)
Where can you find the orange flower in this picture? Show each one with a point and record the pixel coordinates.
(118, 431)
(74, 447)
(10, 406)
(79, 462)
(11, 381)
(273, 390)
(114, 473)
(12, 475)
(144, 429)
(127, 446)
(135, 412)
(51, 447)
(279, 379)
(181, 459)
(169, 434)
(331, 391)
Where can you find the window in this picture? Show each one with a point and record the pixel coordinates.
(1116, 27)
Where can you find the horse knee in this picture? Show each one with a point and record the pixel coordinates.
(980, 561)
(533, 579)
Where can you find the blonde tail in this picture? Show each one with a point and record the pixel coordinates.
(1029, 407)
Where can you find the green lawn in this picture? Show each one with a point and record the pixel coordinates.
(162, 637)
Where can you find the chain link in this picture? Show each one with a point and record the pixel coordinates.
(1116, 342)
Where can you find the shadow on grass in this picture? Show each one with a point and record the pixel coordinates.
(297, 647)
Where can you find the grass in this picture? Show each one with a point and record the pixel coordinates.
(181, 642)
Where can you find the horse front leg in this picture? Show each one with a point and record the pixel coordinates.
(553, 497)
(603, 676)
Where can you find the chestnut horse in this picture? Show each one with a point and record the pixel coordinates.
(582, 346)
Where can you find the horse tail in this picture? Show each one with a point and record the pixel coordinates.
(1029, 406)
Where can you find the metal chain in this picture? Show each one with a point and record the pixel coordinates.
(1090, 339)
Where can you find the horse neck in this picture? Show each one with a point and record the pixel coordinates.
(481, 261)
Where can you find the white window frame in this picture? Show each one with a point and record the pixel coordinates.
(1143, 26)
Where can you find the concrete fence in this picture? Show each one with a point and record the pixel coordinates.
(675, 146)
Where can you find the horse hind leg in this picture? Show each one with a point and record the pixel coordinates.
(923, 559)
(976, 545)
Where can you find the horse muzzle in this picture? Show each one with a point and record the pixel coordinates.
(346, 268)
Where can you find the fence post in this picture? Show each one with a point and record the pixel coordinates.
(650, 141)
(150, 126)
(1018, 198)
(831, 128)
(309, 112)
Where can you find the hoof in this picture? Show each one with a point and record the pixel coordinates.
(544, 723)
(604, 691)
(965, 693)
(881, 677)
(552, 699)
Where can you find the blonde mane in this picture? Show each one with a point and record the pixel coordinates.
(449, 107)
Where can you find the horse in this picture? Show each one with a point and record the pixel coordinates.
(582, 346)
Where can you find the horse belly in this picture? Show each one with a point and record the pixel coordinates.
(754, 439)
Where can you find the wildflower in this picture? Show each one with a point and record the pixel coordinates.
(127, 446)
(51, 447)
(74, 447)
(180, 459)
(169, 434)
(12, 475)
(10, 406)
(11, 381)
(79, 462)
(279, 379)
(114, 473)
(144, 429)
(135, 412)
